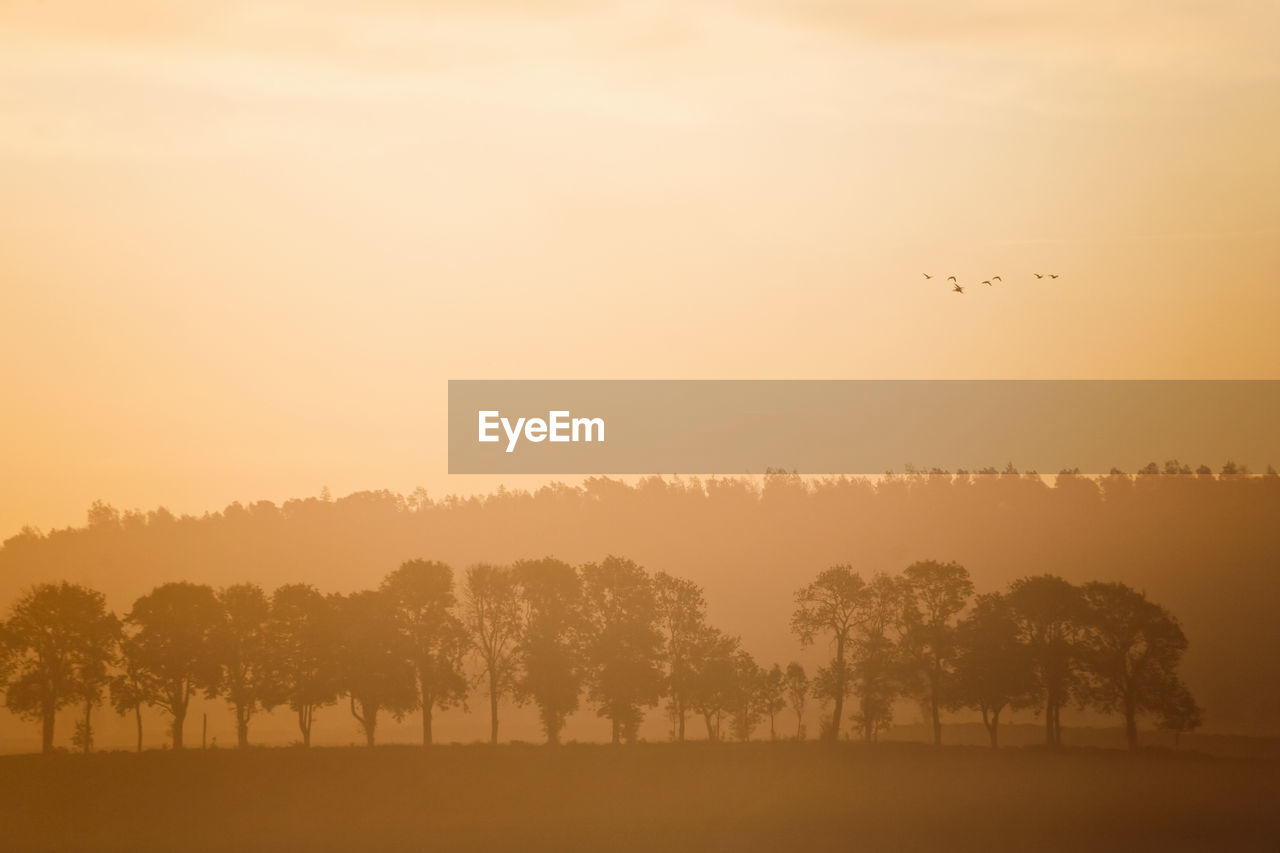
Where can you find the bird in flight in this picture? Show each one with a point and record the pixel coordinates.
(1038, 275)
(926, 275)
(1053, 275)
(957, 288)
(987, 282)
(996, 278)
(951, 279)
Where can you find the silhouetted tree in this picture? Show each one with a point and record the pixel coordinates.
(748, 695)
(826, 682)
(248, 666)
(773, 696)
(993, 670)
(933, 594)
(303, 632)
(683, 620)
(797, 687)
(623, 642)
(550, 652)
(713, 683)
(1179, 714)
(91, 678)
(175, 643)
(131, 686)
(373, 659)
(1048, 612)
(876, 664)
(7, 656)
(422, 592)
(60, 638)
(831, 605)
(1131, 647)
(491, 611)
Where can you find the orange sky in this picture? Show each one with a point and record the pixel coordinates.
(243, 245)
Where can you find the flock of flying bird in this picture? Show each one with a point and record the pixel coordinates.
(955, 285)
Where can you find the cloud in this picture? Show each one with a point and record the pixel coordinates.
(156, 74)
(1225, 40)
(1217, 38)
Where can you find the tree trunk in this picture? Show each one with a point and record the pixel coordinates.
(493, 710)
(617, 732)
(179, 717)
(137, 713)
(242, 727)
(840, 690)
(428, 703)
(1048, 720)
(680, 719)
(304, 724)
(87, 746)
(835, 718)
(1131, 727)
(1130, 715)
(48, 715)
(937, 719)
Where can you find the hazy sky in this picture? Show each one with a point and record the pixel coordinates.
(243, 245)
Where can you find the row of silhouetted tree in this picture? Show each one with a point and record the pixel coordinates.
(1199, 541)
(1042, 644)
(545, 633)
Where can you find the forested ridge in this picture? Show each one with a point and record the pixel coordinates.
(1200, 544)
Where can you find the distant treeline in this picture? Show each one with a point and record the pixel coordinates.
(1201, 542)
(544, 632)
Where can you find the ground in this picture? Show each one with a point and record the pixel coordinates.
(763, 796)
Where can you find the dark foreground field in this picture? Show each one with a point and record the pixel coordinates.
(649, 797)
